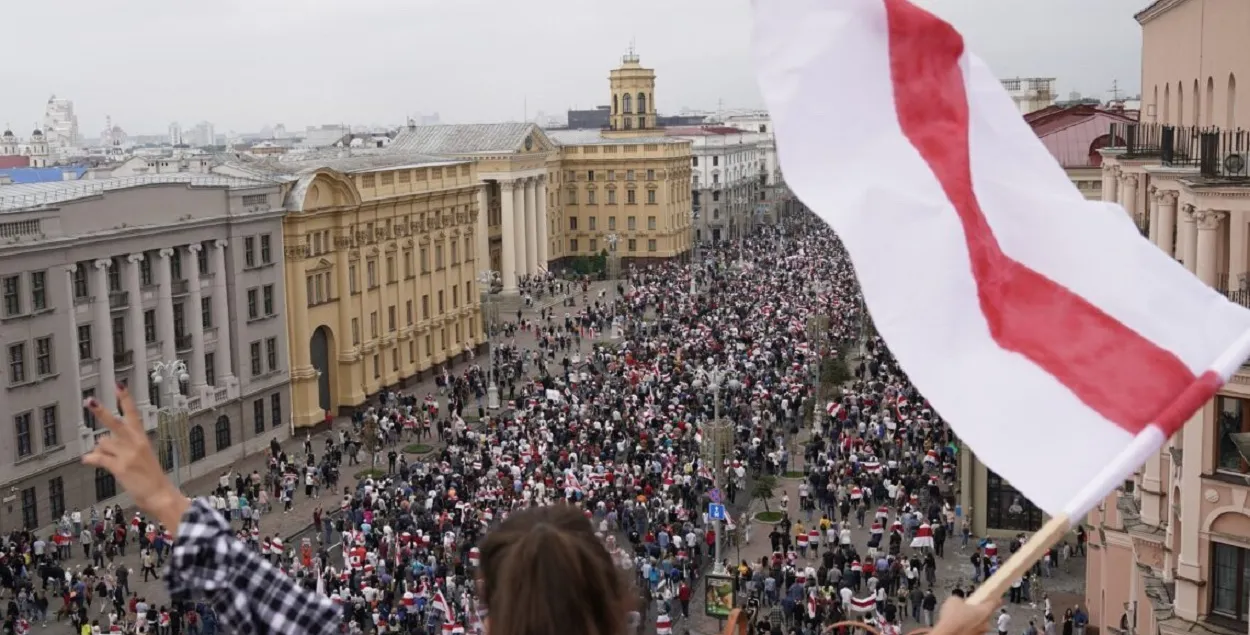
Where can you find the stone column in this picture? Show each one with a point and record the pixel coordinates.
(223, 354)
(481, 245)
(71, 315)
(1128, 196)
(522, 229)
(344, 298)
(1152, 202)
(195, 321)
(544, 242)
(301, 355)
(106, 393)
(1111, 193)
(531, 228)
(1165, 237)
(165, 306)
(1187, 240)
(138, 339)
(1208, 224)
(508, 242)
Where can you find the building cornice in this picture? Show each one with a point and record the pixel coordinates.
(1156, 9)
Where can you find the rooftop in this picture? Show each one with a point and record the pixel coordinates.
(595, 137)
(18, 197)
(453, 139)
(702, 131)
(357, 161)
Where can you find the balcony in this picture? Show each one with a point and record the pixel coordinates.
(179, 287)
(1224, 154)
(119, 299)
(182, 343)
(123, 358)
(1173, 145)
(1238, 292)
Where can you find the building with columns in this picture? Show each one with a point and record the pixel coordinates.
(630, 180)
(513, 162)
(380, 271)
(1170, 550)
(99, 281)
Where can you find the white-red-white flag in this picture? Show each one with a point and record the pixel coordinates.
(1038, 323)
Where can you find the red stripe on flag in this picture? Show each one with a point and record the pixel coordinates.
(1111, 368)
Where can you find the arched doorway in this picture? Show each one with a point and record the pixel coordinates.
(319, 351)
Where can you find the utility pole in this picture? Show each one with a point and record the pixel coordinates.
(1115, 90)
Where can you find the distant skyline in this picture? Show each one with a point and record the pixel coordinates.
(245, 64)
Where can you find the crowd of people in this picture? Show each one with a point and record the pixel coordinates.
(610, 410)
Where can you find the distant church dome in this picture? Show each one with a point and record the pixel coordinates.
(37, 133)
(8, 134)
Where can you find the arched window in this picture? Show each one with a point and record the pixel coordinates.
(1230, 114)
(1167, 103)
(642, 103)
(1197, 97)
(1210, 117)
(1155, 101)
(1180, 104)
(626, 104)
(197, 443)
(616, 110)
(222, 432)
(105, 484)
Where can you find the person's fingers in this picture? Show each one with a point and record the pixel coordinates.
(131, 412)
(97, 458)
(107, 445)
(102, 415)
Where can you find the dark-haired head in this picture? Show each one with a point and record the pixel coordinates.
(544, 572)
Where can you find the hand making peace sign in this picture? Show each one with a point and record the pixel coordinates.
(128, 454)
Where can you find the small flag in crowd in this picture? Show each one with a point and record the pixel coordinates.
(1039, 324)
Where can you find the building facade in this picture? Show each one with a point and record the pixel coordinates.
(99, 282)
(380, 273)
(630, 181)
(1170, 551)
(1031, 93)
(1074, 135)
(729, 176)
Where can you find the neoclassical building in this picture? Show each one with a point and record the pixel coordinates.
(380, 272)
(630, 180)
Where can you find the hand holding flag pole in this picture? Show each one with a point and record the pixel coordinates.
(991, 278)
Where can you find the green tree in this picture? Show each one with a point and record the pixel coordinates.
(763, 488)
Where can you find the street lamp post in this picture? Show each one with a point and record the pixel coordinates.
(487, 281)
(716, 437)
(172, 418)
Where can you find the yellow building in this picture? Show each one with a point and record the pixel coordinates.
(380, 273)
(630, 180)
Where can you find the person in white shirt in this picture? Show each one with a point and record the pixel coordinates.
(1003, 622)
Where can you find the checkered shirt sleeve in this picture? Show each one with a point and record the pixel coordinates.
(249, 595)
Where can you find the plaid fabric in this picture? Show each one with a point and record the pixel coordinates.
(249, 595)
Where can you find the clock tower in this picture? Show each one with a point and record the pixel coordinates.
(633, 99)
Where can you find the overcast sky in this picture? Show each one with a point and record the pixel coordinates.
(242, 64)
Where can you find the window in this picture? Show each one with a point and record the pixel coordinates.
(572, 244)
(84, 343)
(611, 197)
(650, 175)
(271, 353)
(195, 439)
(25, 438)
(572, 196)
(56, 497)
(390, 318)
(355, 331)
(715, 161)
(455, 296)
(43, 356)
(631, 223)
(222, 431)
(249, 251)
(255, 354)
(373, 324)
(149, 326)
(51, 427)
(438, 257)
(1007, 508)
(266, 254)
(253, 306)
(590, 175)
(180, 322)
(258, 416)
(145, 271)
(408, 310)
(377, 367)
(1230, 581)
(1234, 419)
(611, 222)
(275, 409)
(696, 161)
(629, 197)
(572, 223)
(594, 245)
(17, 363)
(390, 269)
(12, 286)
(351, 279)
(629, 175)
(590, 198)
(38, 290)
(425, 307)
(206, 313)
(633, 244)
(651, 223)
(105, 485)
(395, 359)
(408, 264)
(88, 419)
(80, 282)
(201, 261)
(210, 369)
(371, 274)
(425, 260)
(441, 305)
(651, 197)
(651, 244)
(30, 508)
(267, 298)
